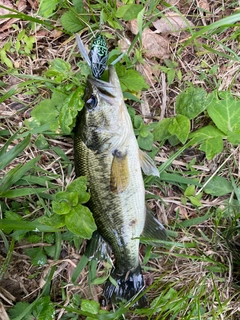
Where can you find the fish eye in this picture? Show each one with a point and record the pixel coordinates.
(91, 103)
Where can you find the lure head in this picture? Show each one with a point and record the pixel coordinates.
(98, 56)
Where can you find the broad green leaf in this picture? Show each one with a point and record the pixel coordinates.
(41, 142)
(47, 8)
(15, 174)
(144, 131)
(205, 133)
(233, 137)
(195, 201)
(44, 309)
(37, 255)
(129, 11)
(7, 156)
(170, 76)
(90, 306)
(130, 80)
(180, 127)
(79, 186)
(59, 69)
(35, 127)
(224, 110)
(55, 220)
(18, 309)
(80, 222)
(6, 60)
(173, 140)
(146, 142)
(210, 139)
(59, 66)
(79, 6)
(50, 251)
(46, 113)
(10, 215)
(70, 197)
(62, 207)
(218, 186)
(160, 132)
(58, 98)
(71, 22)
(99, 281)
(137, 121)
(212, 147)
(191, 102)
(190, 190)
(69, 110)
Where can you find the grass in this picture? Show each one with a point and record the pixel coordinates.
(195, 274)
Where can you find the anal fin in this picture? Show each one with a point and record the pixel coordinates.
(153, 229)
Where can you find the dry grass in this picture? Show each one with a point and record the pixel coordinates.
(199, 264)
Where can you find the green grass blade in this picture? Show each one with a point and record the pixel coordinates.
(6, 262)
(81, 265)
(8, 94)
(195, 221)
(15, 193)
(7, 157)
(166, 164)
(227, 22)
(25, 225)
(15, 174)
(171, 177)
(24, 17)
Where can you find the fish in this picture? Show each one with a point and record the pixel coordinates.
(107, 153)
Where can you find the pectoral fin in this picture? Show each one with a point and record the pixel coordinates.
(119, 172)
(153, 229)
(147, 164)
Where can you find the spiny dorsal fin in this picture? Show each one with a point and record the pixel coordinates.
(119, 172)
(147, 164)
(153, 229)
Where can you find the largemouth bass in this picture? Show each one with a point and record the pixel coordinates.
(107, 152)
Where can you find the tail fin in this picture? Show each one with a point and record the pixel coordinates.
(127, 285)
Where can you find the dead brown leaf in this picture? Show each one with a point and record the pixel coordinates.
(21, 5)
(150, 73)
(33, 4)
(172, 23)
(204, 5)
(133, 26)
(155, 45)
(5, 3)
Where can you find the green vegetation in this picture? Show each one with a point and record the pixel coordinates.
(184, 108)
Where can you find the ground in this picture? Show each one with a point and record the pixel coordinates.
(195, 274)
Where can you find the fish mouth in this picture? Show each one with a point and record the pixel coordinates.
(105, 89)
